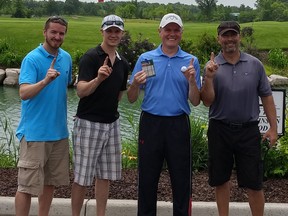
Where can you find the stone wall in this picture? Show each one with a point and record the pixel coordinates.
(10, 76)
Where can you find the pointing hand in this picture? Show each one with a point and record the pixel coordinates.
(211, 67)
(52, 73)
(104, 71)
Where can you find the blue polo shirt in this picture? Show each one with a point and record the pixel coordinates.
(44, 117)
(166, 93)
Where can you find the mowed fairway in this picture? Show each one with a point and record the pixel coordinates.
(84, 32)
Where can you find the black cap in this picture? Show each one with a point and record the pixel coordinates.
(228, 26)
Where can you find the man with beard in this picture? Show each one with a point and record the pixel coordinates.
(102, 80)
(44, 148)
(233, 81)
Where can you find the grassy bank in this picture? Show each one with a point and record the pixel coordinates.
(84, 33)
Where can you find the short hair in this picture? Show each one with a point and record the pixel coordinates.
(56, 19)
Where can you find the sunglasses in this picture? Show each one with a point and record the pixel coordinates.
(57, 19)
(108, 23)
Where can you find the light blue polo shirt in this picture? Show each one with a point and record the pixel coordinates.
(166, 93)
(44, 117)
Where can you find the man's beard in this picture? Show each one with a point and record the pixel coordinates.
(52, 44)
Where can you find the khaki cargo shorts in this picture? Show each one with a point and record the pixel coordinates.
(42, 163)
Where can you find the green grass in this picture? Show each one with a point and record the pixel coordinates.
(84, 32)
(270, 34)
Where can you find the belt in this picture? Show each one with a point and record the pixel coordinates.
(237, 124)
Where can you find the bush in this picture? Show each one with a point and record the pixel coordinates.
(277, 58)
(10, 59)
(275, 158)
(76, 55)
(4, 46)
(8, 56)
(206, 44)
(8, 149)
(199, 144)
(132, 50)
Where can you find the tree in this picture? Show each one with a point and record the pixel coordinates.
(19, 9)
(52, 8)
(126, 11)
(207, 7)
(4, 3)
(272, 10)
(279, 11)
(72, 7)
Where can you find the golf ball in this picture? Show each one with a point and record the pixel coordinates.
(183, 68)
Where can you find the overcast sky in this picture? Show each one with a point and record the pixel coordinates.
(237, 3)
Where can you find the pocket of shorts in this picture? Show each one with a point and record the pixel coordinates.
(28, 173)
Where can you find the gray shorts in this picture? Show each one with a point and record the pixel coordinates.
(97, 151)
(42, 163)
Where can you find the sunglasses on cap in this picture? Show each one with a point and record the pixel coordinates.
(108, 23)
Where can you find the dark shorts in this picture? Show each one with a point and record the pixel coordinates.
(235, 147)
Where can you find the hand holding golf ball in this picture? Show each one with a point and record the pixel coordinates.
(183, 69)
(189, 72)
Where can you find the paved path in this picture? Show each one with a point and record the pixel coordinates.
(128, 208)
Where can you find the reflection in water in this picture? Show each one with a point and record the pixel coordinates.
(129, 113)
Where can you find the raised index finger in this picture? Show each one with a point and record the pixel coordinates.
(191, 62)
(53, 63)
(212, 56)
(106, 61)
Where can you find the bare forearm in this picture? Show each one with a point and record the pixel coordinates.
(270, 110)
(86, 88)
(133, 93)
(194, 94)
(28, 91)
(207, 93)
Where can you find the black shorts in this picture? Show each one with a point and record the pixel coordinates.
(235, 146)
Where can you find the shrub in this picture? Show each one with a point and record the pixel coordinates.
(76, 55)
(132, 50)
(129, 154)
(199, 144)
(8, 56)
(275, 158)
(206, 44)
(10, 59)
(277, 58)
(8, 149)
(4, 46)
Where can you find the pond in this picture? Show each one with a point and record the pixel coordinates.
(129, 113)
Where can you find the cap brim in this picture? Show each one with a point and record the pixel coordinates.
(105, 27)
(171, 22)
(228, 29)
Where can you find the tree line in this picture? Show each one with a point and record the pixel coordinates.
(204, 11)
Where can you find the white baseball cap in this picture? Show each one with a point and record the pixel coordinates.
(112, 21)
(171, 18)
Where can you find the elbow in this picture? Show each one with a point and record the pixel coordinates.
(80, 95)
(206, 103)
(207, 100)
(23, 95)
(195, 103)
(131, 99)
(81, 92)
(132, 95)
